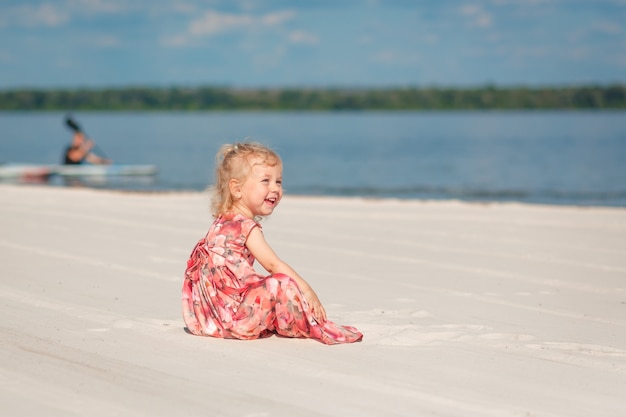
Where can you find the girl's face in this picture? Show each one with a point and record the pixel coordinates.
(261, 192)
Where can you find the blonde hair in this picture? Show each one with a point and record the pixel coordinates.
(234, 161)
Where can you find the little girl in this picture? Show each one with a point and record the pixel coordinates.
(223, 295)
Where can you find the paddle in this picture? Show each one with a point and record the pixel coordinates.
(76, 128)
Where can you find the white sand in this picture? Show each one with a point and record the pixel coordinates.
(467, 310)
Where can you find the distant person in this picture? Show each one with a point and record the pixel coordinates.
(79, 151)
(223, 295)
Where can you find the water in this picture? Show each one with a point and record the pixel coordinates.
(537, 157)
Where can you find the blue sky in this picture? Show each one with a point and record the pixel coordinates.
(314, 43)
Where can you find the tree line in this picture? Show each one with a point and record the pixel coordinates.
(322, 99)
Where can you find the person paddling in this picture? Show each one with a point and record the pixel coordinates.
(80, 150)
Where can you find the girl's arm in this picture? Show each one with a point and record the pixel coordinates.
(273, 264)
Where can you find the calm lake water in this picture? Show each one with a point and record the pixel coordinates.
(539, 157)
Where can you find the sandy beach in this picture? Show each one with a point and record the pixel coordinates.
(468, 310)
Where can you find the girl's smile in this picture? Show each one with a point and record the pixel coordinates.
(261, 192)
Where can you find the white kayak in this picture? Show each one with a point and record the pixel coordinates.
(104, 170)
(32, 171)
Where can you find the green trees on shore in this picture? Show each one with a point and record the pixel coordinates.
(218, 98)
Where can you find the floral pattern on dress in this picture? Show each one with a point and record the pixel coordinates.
(224, 296)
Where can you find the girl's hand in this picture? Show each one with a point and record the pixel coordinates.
(315, 306)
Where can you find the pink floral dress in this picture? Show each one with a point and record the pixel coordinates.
(224, 296)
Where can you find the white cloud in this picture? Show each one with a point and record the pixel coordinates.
(610, 28)
(55, 14)
(183, 7)
(521, 2)
(44, 15)
(248, 5)
(112, 7)
(106, 41)
(176, 40)
(577, 53)
(605, 27)
(483, 21)
(478, 17)
(430, 38)
(385, 56)
(215, 22)
(274, 19)
(299, 36)
(389, 57)
(98, 6)
(212, 23)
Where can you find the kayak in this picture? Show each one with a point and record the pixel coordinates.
(104, 170)
(32, 171)
(23, 171)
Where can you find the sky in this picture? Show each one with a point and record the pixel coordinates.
(311, 43)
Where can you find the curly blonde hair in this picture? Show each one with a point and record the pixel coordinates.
(234, 161)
